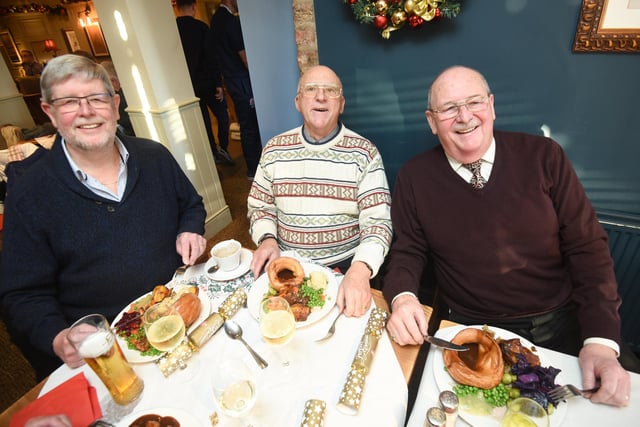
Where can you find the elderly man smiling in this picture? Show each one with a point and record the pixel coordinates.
(321, 190)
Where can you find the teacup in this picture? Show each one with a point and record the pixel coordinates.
(227, 254)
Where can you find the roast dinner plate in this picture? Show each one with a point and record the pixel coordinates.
(185, 418)
(261, 286)
(246, 255)
(445, 382)
(134, 356)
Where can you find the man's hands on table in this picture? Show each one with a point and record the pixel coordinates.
(600, 361)
(407, 324)
(59, 420)
(354, 293)
(190, 246)
(267, 251)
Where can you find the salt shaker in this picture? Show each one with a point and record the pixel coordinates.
(449, 404)
(435, 418)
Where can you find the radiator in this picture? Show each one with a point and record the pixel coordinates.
(624, 244)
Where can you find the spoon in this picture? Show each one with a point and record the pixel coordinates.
(235, 331)
(213, 269)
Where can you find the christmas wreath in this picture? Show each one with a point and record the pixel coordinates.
(391, 15)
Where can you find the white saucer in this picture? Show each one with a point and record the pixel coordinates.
(246, 256)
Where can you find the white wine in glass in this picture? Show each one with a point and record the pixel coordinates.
(277, 323)
(163, 326)
(234, 388)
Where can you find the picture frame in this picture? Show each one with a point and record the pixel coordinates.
(96, 40)
(71, 39)
(10, 46)
(608, 26)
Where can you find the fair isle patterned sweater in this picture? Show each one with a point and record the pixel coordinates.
(326, 201)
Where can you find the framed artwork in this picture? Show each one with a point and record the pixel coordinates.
(10, 45)
(71, 39)
(608, 26)
(96, 40)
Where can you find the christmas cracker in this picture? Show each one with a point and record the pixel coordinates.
(313, 415)
(177, 358)
(350, 397)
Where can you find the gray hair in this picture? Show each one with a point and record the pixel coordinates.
(64, 67)
(430, 94)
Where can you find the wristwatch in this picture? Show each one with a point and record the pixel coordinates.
(265, 237)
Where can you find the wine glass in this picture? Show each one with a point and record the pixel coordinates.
(163, 326)
(277, 323)
(234, 388)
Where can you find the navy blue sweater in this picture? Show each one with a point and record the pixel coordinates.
(68, 252)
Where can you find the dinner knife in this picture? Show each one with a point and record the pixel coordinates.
(445, 344)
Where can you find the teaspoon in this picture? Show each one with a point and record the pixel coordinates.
(235, 331)
(213, 269)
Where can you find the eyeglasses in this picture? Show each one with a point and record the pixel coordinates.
(310, 90)
(474, 104)
(71, 104)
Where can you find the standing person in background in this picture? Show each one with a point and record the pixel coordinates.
(205, 76)
(101, 219)
(124, 122)
(321, 191)
(513, 241)
(30, 66)
(226, 36)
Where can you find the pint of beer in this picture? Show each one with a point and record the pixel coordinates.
(92, 337)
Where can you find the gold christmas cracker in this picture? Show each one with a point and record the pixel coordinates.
(313, 415)
(350, 397)
(177, 358)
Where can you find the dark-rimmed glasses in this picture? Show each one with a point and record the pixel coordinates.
(71, 104)
(475, 104)
(310, 90)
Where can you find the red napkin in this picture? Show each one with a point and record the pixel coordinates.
(75, 398)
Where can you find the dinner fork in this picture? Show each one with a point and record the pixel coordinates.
(332, 329)
(569, 390)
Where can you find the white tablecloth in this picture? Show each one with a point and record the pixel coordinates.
(317, 371)
(580, 412)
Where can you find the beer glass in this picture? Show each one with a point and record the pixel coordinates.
(92, 337)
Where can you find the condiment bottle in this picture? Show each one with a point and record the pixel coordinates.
(449, 404)
(435, 418)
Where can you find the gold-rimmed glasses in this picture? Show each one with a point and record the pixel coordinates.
(475, 104)
(311, 90)
(71, 104)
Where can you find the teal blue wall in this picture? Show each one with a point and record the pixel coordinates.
(589, 102)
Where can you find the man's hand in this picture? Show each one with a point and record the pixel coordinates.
(65, 350)
(190, 246)
(600, 361)
(407, 324)
(59, 420)
(266, 252)
(219, 93)
(354, 293)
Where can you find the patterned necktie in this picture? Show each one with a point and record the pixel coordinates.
(477, 181)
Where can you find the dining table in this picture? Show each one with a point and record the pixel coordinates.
(315, 370)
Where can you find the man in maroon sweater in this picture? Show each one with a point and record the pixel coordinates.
(518, 247)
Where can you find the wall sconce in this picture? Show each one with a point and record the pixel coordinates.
(50, 46)
(84, 17)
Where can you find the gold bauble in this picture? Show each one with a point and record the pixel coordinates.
(408, 6)
(398, 17)
(381, 7)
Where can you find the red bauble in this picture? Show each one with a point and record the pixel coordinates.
(353, 1)
(438, 13)
(415, 21)
(395, 1)
(380, 22)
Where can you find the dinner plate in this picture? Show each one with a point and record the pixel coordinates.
(445, 382)
(261, 286)
(245, 263)
(185, 418)
(134, 356)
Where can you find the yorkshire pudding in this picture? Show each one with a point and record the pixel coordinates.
(480, 366)
(285, 271)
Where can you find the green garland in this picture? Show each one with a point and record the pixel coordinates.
(391, 15)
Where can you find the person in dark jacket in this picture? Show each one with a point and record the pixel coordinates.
(95, 223)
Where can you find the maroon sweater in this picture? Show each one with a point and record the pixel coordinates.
(525, 244)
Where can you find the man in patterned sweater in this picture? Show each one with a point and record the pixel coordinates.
(321, 190)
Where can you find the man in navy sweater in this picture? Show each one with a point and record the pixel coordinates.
(98, 221)
(514, 244)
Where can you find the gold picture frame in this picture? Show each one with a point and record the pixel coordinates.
(96, 40)
(10, 46)
(619, 33)
(71, 39)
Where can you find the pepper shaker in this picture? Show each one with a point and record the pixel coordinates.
(435, 418)
(449, 404)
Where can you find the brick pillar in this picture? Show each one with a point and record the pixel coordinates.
(304, 24)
